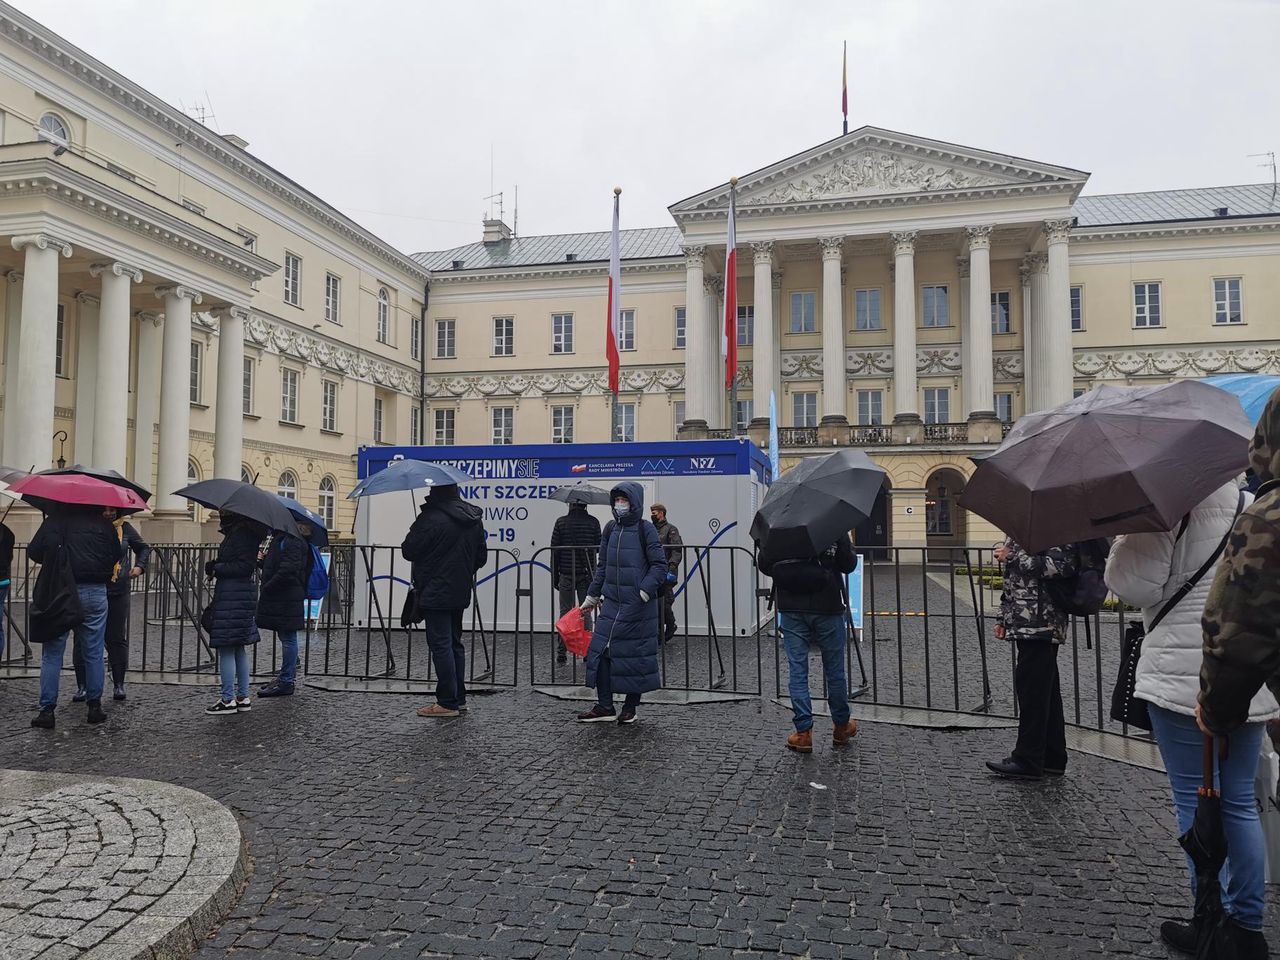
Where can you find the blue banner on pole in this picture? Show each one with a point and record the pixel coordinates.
(313, 606)
(773, 438)
(854, 582)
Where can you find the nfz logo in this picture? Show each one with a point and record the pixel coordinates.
(702, 463)
(658, 466)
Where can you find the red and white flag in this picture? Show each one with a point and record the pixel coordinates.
(729, 341)
(615, 291)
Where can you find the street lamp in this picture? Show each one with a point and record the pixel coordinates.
(61, 437)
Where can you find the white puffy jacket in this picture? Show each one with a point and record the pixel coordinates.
(1147, 569)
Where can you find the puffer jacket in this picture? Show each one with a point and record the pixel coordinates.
(1145, 570)
(1242, 614)
(575, 541)
(90, 540)
(282, 597)
(1027, 610)
(235, 595)
(632, 562)
(446, 547)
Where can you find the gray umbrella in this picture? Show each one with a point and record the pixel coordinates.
(1113, 460)
(580, 493)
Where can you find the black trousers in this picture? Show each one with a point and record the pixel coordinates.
(668, 612)
(116, 641)
(1042, 734)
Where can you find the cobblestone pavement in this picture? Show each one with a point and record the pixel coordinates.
(111, 869)
(513, 832)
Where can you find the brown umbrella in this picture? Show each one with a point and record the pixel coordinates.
(1113, 460)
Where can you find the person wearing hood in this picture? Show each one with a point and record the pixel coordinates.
(575, 539)
(623, 656)
(231, 625)
(282, 603)
(446, 547)
(1241, 631)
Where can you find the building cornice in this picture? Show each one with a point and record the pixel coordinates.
(535, 384)
(554, 271)
(1176, 360)
(1163, 231)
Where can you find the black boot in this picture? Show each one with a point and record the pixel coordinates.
(43, 719)
(1234, 941)
(1180, 936)
(96, 713)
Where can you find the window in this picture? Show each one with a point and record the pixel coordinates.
(680, 328)
(870, 408)
(1226, 301)
(384, 316)
(741, 416)
(1004, 407)
(53, 129)
(377, 419)
(289, 395)
(415, 338)
(329, 405)
(60, 343)
(626, 420)
(803, 319)
(1077, 308)
(504, 426)
(1146, 305)
(677, 413)
(246, 390)
(444, 426)
(562, 424)
(937, 405)
(937, 512)
(936, 307)
(246, 475)
(293, 279)
(446, 339)
(415, 426)
(327, 501)
(332, 298)
(1000, 322)
(193, 476)
(866, 310)
(288, 485)
(562, 333)
(804, 409)
(626, 329)
(1077, 392)
(504, 336)
(196, 369)
(746, 325)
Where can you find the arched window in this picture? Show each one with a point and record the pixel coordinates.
(246, 475)
(384, 316)
(288, 486)
(193, 476)
(54, 129)
(328, 501)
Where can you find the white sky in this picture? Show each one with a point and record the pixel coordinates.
(391, 115)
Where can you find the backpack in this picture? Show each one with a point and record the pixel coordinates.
(55, 601)
(806, 576)
(318, 578)
(1082, 595)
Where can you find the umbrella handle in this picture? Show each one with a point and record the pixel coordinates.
(1208, 751)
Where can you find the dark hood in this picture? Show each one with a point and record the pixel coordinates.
(1264, 449)
(635, 494)
(446, 500)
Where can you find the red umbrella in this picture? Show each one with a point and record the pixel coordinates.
(45, 489)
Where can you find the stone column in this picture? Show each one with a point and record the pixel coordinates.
(1024, 277)
(111, 395)
(906, 417)
(1034, 362)
(175, 399)
(87, 353)
(229, 406)
(147, 407)
(12, 337)
(979, 374)
(28, 420)
(763, 371)
(776, 301)
(695, 345)
(717, 394)
(1058, 368)
(962, 267)
(833, 363)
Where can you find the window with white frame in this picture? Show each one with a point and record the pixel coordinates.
(288, 485)
(377, 419)
(677, 414)
(626, 421)
(1000, 319)
(446, 339)
(384, 316)
(804, 409)
(741, 416)
(327, 501)
(504, 336)
(332, 298)
(1077, 308)
(937, 405)
(60, 343)
(866, 310)
(54, 129)
(197, 370)
(562, 333)
(626, 329)
(562, 424)
(289, 395)
(246, 388)
(803, 318)
(445, 420)
(746, 325)
(936, 310)
(415, 426)
(680, 328)
(1004, 407)
(292, 279)
(246, 475)
(193, 476)
(504, 426)
(1227, 300)
(415, 338)
(1146, 305)
(1077, 392)
(870, 408)
(329, 405)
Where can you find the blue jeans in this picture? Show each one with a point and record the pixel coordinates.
(233, 668)
(1243, 876)
(448, 656)
(604, 686)
(826, 631)
(4, 619)
(289, 656)
(89, 632)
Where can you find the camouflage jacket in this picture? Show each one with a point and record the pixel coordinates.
(1027, 611)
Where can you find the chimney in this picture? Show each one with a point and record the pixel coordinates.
(235, 141)
(495, 231)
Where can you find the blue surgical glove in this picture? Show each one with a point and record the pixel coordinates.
(671, 577)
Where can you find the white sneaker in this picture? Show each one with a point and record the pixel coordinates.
(221, 709)
(243, 705)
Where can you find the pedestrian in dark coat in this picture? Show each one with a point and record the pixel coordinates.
(575, 541)
(6, 563)
(669, 535)
(446, 547)
(134, 554)
(282, 603)
(623, 655)
(235, 600)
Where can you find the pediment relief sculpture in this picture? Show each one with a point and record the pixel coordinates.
(872, 172)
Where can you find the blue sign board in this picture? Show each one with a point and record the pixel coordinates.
(854, 582)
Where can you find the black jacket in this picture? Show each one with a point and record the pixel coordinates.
(669, 534)
(827, 570)
(90, 540)
(6, 552)
(446, 547)
(575, 541)
(283, 594)
(134, 552)
(235, 595)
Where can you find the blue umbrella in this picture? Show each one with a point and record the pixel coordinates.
(408, 475)
(1253, 390)
(319, 533)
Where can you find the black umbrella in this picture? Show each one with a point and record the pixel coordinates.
(580, 492)
(110, 476)
(236, 496)
(1206, 845)
(815, 502)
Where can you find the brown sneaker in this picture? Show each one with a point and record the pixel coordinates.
(801, 742)
(436, 710)
(842, 735)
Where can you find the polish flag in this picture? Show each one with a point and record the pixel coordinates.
(729, 341)
(615, 291)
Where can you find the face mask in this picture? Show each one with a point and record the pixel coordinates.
(621, 509)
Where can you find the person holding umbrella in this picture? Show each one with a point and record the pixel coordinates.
(575, 539)
(282, 602)
(230, 617)
(134, 554)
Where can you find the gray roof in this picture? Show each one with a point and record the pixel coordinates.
(641, 244)
(1159, 206)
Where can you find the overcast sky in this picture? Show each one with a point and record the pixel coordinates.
(390, 110)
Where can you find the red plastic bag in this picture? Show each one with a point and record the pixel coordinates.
(573, 630)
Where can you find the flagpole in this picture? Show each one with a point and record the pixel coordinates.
(612, 331)
(844, 86)
(731, 325)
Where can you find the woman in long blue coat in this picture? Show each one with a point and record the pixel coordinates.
(623, 656)
(232, 628)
